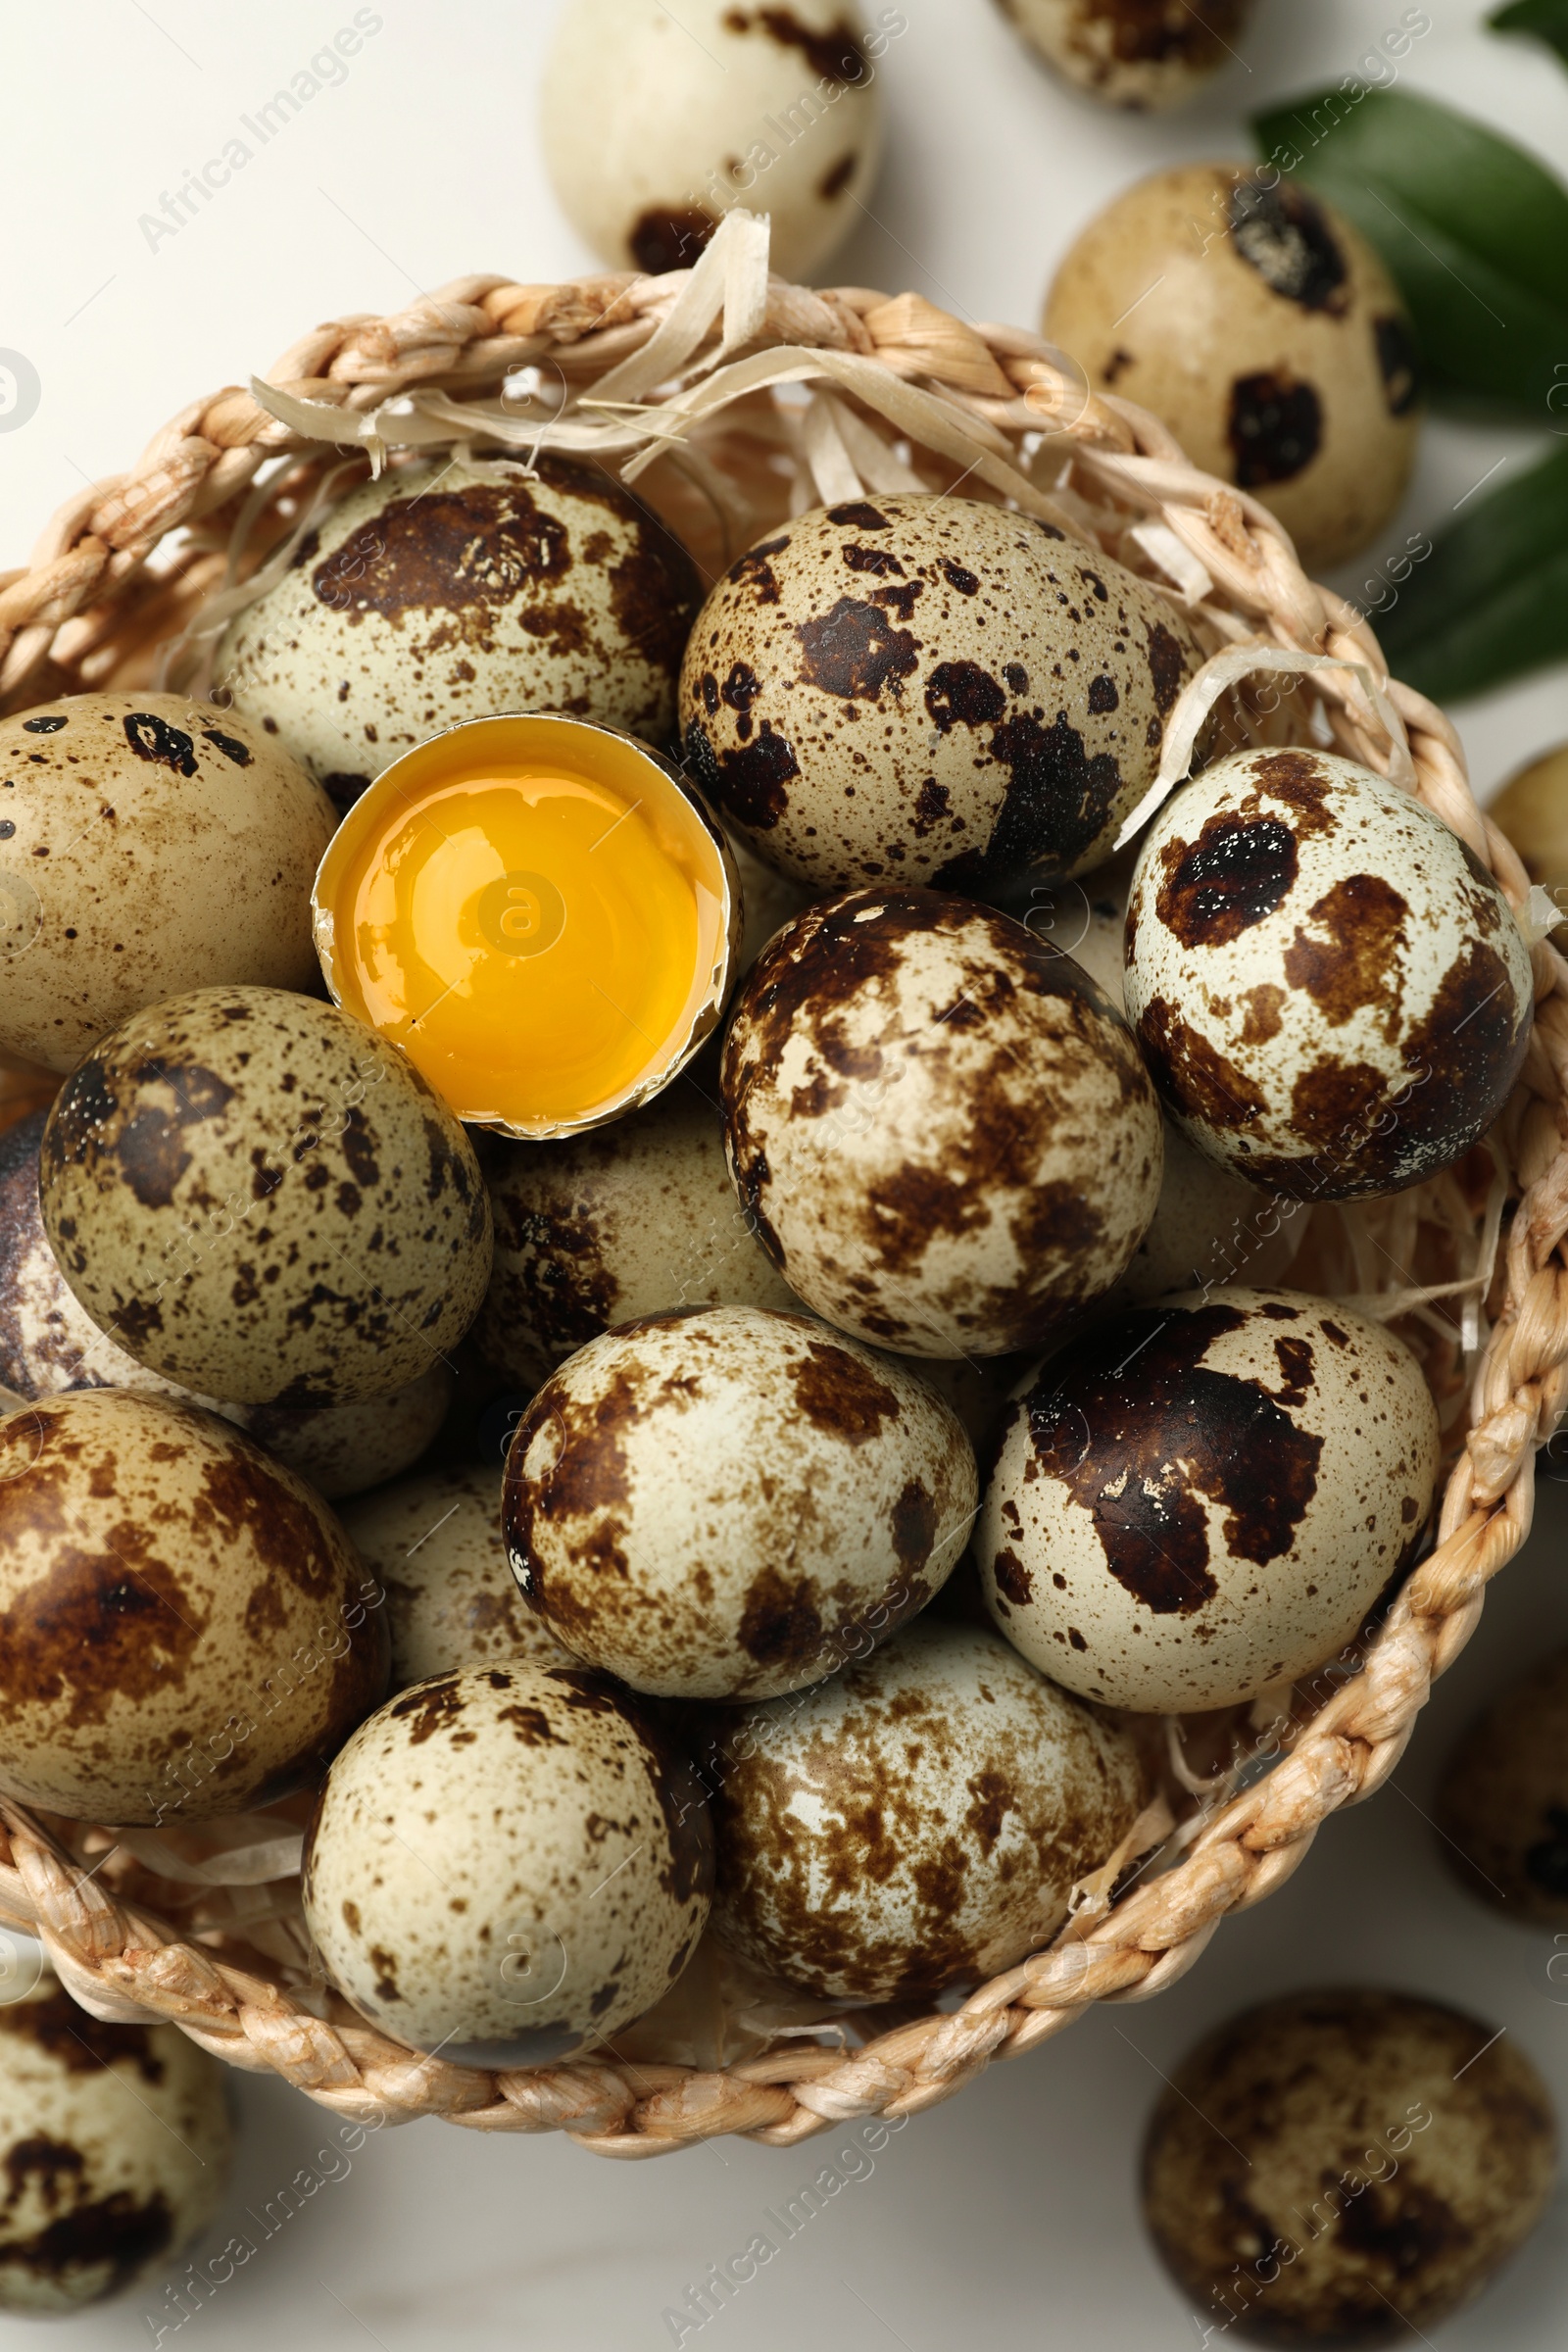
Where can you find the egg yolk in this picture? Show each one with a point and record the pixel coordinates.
(529, 939)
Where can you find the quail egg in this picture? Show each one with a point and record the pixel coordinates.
(726, 1504)
(927, 689)
(258, 1197)
(1328, 989)
(918, 1821)
(508, 1865)
(148, 844)
(115, 2142)
(1165, 1529)
(771, 108)
(1260, 327)
(622, 1222)
(1346, 2167)
(434, 1546)
(48, 1344)
(1533, 811)
(1148, 55)
(1502, 1802)
(1208, 1225)
(448, 591)
(942, 1130)
(188, 1631)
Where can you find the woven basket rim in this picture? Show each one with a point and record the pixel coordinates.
(86, 610)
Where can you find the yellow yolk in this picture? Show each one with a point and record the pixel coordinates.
(535, 941)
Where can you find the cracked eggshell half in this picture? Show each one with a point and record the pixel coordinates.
(726, 1504)
(261, 1199)
(116, 2143)
(1204, 1499)
(189, 1630)
(774, 109)
(508, 1865)
(148, 844)
(939, 1124)
(927, 689)
(1328, 989)
(435, 1545)
(448, 590)
(917, 1822)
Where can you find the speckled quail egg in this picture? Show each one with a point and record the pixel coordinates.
(1260, 327)
(769, 899)
(189, 1628)
(448, 591)
(148, 844)
(775, 109)
(508, 1865)
(1533, 811)
(1210, 1225)
(1148, 55)
(622, 1222)
(1166, 1528)
(1328, 989)
(1502, 1802)
(928, 689)
(115, 2142)
(1346, 2167)
(261, 1199)
(919, 1820)
(49, 1343)
(726, 1504)
(434, 1544)
(941, 1128)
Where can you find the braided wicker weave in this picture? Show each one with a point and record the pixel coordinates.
(677, 379)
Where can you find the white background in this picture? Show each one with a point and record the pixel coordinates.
(1008, 2217)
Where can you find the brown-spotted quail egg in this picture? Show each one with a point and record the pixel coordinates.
(1210, 1225)
(1258, 324)
(1148, 55)
(116, 2142)
(434, 1544)
(1533, 811)
(926, 689)
(941, 1128)
(1205, 1497)
(508, 1865)
(726, 1504)
(148, 844)
(1346, 2166)
(919, 1820)
(261, 1199)
(1328, 989)
(1502, 1802)
(769, 899)
(446, 592)
(343, 1449)
(188, 1630)
(776, 109)
(49, 1343)
(622, 1222)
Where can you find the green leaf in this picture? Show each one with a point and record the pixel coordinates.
(1490, 601)
(1547, 20)
(1473, 230)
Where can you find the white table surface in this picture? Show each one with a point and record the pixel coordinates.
(1008, 2217)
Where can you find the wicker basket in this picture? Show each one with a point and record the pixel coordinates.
(736, 399)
